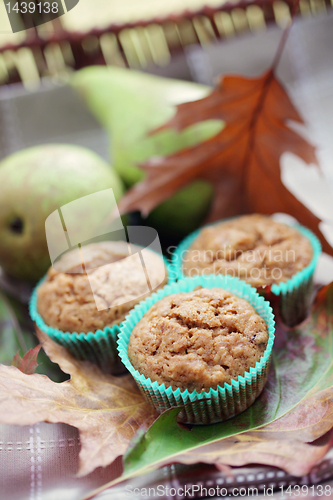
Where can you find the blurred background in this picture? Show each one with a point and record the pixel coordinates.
(105, 73)
(190, 40)
(147, 35)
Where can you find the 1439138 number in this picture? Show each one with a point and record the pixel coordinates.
(32, 7)
(316, 490)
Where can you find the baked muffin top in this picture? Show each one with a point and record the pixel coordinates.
(198, 340)
(254, 248)
(113, 283)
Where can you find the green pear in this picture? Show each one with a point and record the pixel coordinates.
(34, 183)
(129, 104)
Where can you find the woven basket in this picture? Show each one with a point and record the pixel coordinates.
(138, 44)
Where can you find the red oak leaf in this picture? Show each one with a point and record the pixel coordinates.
(242, 161)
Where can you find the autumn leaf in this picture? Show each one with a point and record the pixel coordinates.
(286, 443)
(107, 410)
(242, 161)
(292, 455)
(28, 363)
(289, 426)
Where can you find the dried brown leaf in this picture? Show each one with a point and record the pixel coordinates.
(242, 161)
(291, 443)
(107, 410)
(293, 456)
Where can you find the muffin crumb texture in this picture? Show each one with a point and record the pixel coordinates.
(114, 282)
(198, 340)
(254, 248)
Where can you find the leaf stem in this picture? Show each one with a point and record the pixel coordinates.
(262, 97)
(285, 35)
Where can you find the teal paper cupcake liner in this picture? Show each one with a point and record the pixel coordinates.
(295, 294)
(218, 404)
(98, 347)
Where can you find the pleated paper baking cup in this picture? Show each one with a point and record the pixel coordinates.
(218, 404)
(295, 294)
(99, 347)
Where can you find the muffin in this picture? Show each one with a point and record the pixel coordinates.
(200, 344)
(253, 247)
(82, 306)
(198, 340)
(269, 255)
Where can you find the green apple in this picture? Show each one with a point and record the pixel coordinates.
(34, 183)
(129, 104)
